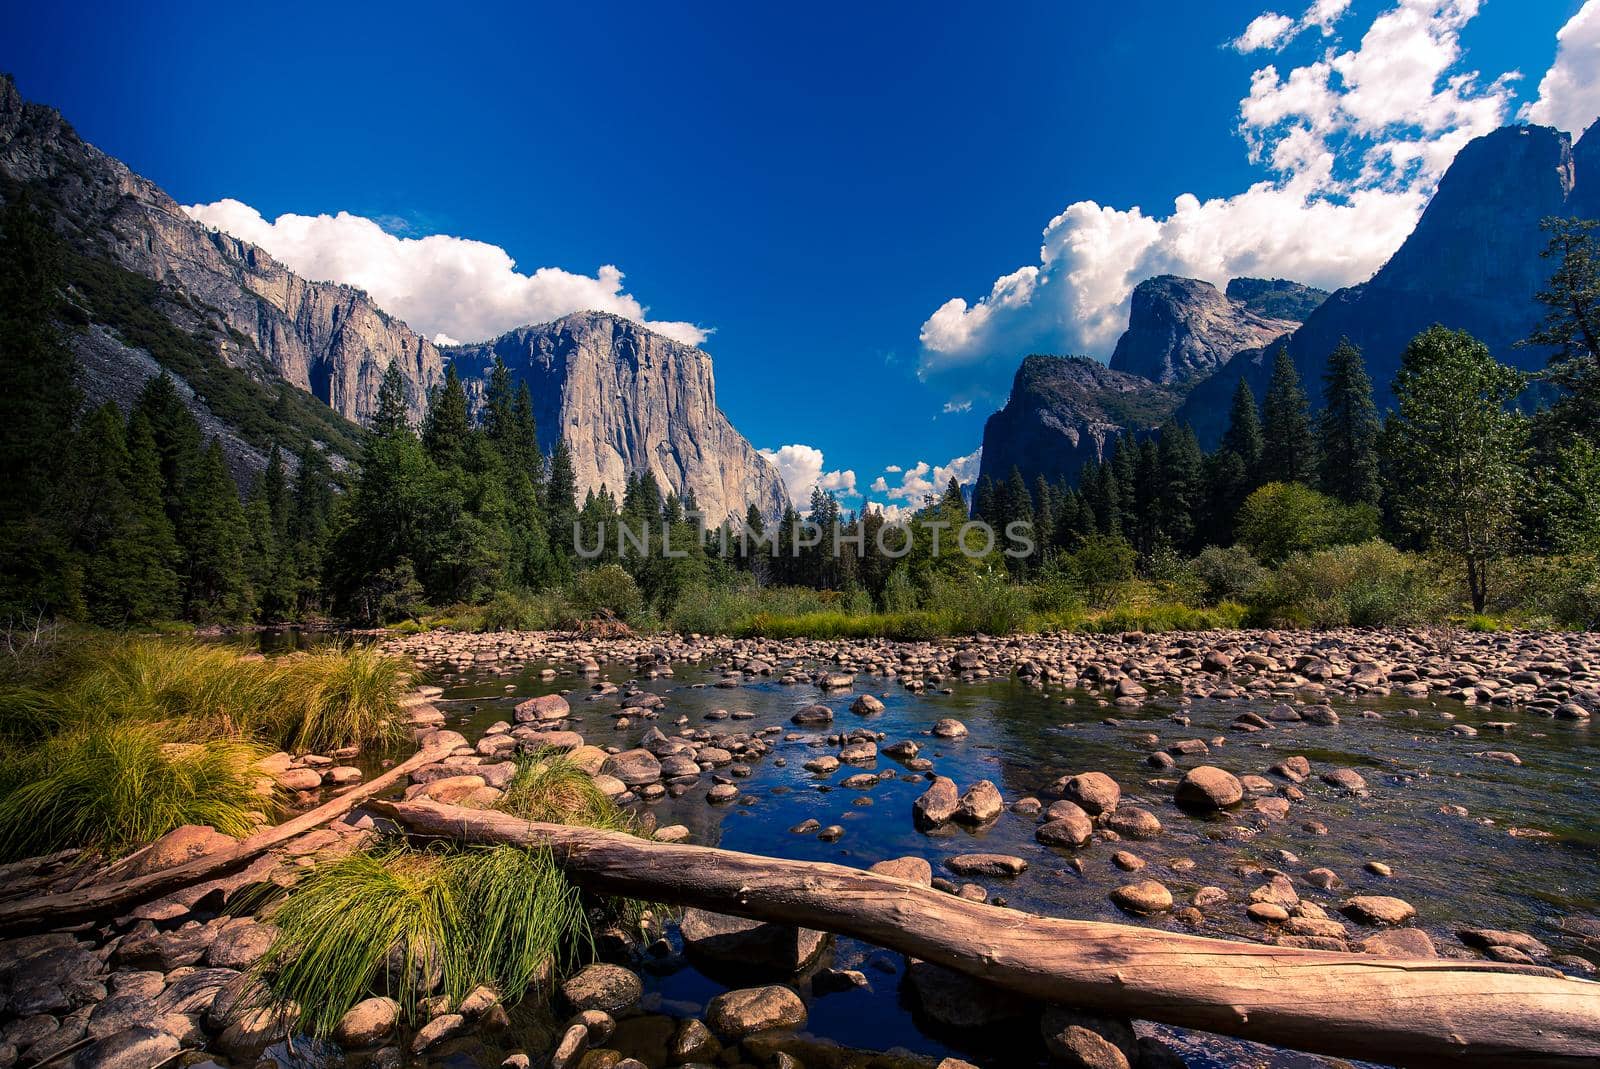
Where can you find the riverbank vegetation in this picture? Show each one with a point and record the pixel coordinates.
(1477, 496)
(109, 742)
(411, 922)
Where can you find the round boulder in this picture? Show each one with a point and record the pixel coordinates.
(736, 1014)
(1206, 789)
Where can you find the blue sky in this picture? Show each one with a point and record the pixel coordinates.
(810, 184)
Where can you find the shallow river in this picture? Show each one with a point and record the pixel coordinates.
(1457, 870)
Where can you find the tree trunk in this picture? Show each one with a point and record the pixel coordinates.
(97, 900)
(1412, 1013)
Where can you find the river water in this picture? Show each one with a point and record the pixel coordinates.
(1524, 857)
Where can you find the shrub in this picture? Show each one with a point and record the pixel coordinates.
(608, 588)
(111, 785)
(1364, 585)
(1280, 519)
(521, 610)
(982, 604)
(899, 591)
(1230, 574)
(1101, 564)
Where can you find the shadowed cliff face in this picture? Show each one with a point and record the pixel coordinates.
(1182, 329)
(325, 338)
(1065, 410)
(628, 400)
(1472, 263)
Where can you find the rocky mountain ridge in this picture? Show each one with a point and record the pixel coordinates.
(1472, 262)
(1065, 410)
(155, 290)
(1182, 329)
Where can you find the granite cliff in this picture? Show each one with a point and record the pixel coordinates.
(628, 400)
(1065, 410)
(1183, 329)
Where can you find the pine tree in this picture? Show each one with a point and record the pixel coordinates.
(1348, 429)
(1288, 449)
(217, 537)
(119, 528)
(149, 541)
(446, 429)
(36, 409)
(1045, 507)
(1571, 328)
(983, 499)
(310, 522)
(562, 505)
(1183, 487)
(1243, 436)
(176, 436)
(392, 417)
(272, 562)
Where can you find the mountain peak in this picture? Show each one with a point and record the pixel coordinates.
(1181, 329)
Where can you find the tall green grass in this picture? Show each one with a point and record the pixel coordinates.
(114, 785)
(549, 788)
(409, 923)
(337, 698)
(137, 736)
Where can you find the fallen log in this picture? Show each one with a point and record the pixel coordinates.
(98, 900)
(1411, 1013)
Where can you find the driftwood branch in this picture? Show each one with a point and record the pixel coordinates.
(98, 900)
(1412, 1013)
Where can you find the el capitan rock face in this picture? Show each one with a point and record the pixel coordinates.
(1065, 410)
(628, 400)
(1182, 329)
(1472, 263)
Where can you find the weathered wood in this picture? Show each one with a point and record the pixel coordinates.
(1413, 1013)
(97, 900)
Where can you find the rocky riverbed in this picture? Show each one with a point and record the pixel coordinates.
(1393, 793)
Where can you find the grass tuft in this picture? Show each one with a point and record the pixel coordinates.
(115, 785)
(549, 788)
(338, 698)
(410, 923)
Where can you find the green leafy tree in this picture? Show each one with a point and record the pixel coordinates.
(1288, 452)
(1455, 449)
(1348, 429)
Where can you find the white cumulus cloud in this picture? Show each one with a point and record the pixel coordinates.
(922, 478)
(442, 286)
(1569, 93)
(1272, 30)
(802, 469)
(1352, 142)
(1265, 31)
